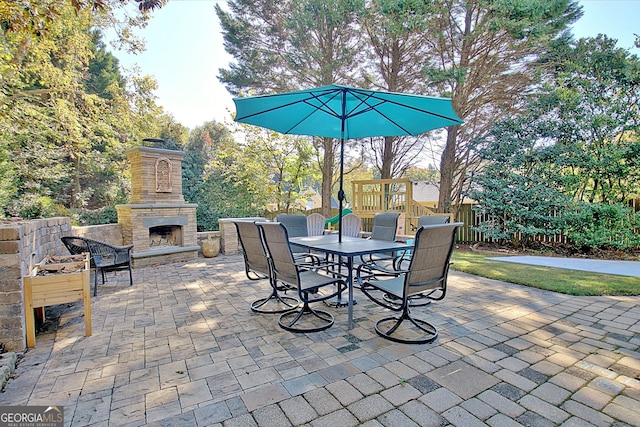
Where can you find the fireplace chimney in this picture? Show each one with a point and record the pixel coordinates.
(158, 222)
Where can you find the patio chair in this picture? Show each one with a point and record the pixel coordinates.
(422, 220)
(104, 257)
(311, 285)
(426, 276)
(385, 226)
(257, 267)
(296, 225)
(315, 224)
(430, 220)
(351, 225)
(405, 257)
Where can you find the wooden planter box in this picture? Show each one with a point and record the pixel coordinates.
(57, 280)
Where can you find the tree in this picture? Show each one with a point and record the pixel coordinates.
(569, 162)
(483, 56)
(517, 191)
(275, 167)
(39, 17)
(104, 75)
(66, 119)
(280, 46)
(395, 31)
(200, 151)
(590, 106)
(430, 174)
(45, 113)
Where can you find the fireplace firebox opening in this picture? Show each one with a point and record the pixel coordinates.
(165, 235)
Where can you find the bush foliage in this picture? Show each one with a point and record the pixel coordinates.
(602, 225)
(568, 163)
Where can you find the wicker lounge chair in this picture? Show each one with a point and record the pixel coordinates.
(104, 257)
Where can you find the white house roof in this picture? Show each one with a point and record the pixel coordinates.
(425, 191)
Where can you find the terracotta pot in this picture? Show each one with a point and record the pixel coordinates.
(210, 247)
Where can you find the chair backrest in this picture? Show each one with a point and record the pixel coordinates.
(296, 225)
(77, 245)
(253, 250)
(315, 224)
(276, 241)
(385, 225)
(351, 225)
(432, 220)
(429, 264)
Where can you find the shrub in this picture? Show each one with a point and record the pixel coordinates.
(32, 206)
(106, 215)
(602, 225)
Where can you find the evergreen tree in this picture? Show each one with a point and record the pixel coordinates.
(288, 45)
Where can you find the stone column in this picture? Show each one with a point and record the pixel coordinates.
(229, 236)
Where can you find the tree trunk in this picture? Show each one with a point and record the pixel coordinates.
(447, 170)
(327, 175)
(387, 158)
(76, 183)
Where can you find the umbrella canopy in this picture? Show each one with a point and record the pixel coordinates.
(344, 112)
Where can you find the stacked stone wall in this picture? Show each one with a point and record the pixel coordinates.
(25, 243)
(109, 233)
(22, 245)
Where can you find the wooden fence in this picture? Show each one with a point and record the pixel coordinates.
(473, 219)
(375, 196)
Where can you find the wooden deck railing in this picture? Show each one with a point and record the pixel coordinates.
(387, 195)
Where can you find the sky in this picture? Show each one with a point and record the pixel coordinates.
(184, 50)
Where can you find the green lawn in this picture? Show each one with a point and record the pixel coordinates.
(572, 282)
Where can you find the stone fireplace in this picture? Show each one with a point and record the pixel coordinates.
(158, 222)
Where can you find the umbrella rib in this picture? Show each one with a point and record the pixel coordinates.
(366, 100)
(322, 107)
(381, 101)
(369, 95)
(261, 112)
(431, 113)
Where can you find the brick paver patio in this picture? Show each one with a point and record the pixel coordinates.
(182, 348)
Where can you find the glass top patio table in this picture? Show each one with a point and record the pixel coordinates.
(349, 248)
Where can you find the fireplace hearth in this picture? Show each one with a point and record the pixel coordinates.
(158, 222)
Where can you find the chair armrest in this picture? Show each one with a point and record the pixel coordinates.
(105, 254)
(123, 254)
(366, 272)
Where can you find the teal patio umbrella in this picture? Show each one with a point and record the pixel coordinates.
(344, 112)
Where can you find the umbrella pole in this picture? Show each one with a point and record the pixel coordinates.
(341, 190)
(338, 301)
